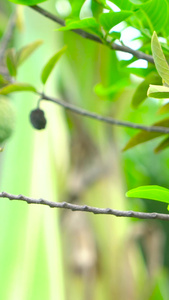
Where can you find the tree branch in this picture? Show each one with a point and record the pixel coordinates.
(87, 35)
(100, 118)
(85, 208)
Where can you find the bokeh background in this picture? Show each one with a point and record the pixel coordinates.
(57, 254)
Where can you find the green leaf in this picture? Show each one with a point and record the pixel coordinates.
(27, 2)
(109, 20)
(3, 81)
(159, 59)
(50, 65)
(141, 92)
(17, 87)
(26, 51)
(158, 91)
(141, 72)
(103, 3)
(79, 24)
(123, 4)
(156, 12)
(151, 15)
(7, 119)
(164, 109)
(152, 192)
(76, 6)
(144, 136)
(11, 62)
(101, 90)
(163, 145)
(115, 35)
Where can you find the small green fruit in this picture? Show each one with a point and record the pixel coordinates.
(7, 119)
(37, 118)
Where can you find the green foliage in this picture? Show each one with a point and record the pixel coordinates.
(87, 23)
(152, 192)
(123, 4)
(26, 51)
(140, 72)
(109, 20)
(141, 92)
(158, 91)
(146, 16)
(116, 87)
(11, 62)
(145, 136)
(27, 2)
(17, 87)
(164, 109)
(7, 119)
(159, 59)
(163, 145)
(102, 3)
(156, 13)
(3, 81)
(76, 6)
(50, 64)
(154, 91)
(150, 15)
(115, 35)
(15, 59)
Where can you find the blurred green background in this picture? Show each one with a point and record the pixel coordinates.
(52, 254)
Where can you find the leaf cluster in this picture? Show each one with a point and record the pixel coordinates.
(15, 59)
(150, 18)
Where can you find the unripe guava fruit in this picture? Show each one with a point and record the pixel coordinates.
(7, 119)
(37, 118)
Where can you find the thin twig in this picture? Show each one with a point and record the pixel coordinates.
(87, 35)
(100, 118)
(7, 36)
(85, 208)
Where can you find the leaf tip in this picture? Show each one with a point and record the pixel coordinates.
(154, 36)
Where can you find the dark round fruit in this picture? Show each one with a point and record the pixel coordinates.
(37, 118)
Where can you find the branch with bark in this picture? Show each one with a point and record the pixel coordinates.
(86, 208)
(95, 38)
(100, 118)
